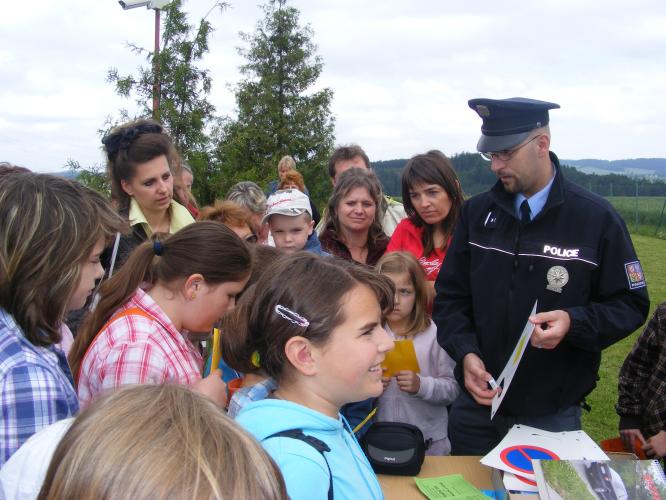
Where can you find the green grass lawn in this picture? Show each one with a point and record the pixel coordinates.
(642, 214)
(602, 421)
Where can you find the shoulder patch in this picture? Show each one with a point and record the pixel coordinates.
(635, 274)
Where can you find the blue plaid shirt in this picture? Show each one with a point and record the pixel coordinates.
(246, 395)
(36, 387)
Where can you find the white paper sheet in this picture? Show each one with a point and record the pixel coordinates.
(523, 443)
(505, 378)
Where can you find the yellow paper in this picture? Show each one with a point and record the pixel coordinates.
(216, 350)
(402, 357)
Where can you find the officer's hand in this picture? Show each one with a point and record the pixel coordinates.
(629, 437)
(408, 381)
(550, 328)
(476, 379)
(213, 387)
(656, 445)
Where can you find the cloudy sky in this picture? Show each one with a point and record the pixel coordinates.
(401, 72)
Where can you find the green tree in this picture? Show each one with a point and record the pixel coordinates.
(184, 108)
(94, 177)
(279, 113)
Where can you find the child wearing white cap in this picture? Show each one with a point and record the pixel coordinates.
(289, 216)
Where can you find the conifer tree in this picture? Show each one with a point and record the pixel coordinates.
(279, 110)
(184, 108)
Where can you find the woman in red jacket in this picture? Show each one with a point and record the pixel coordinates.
(432, 197)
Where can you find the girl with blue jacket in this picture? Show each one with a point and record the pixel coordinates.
(315, 326)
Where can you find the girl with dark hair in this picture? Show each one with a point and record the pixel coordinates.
(137, 332)
(432, 197)
(315, 326)
(353, 229)
(142, 164)
(52, 233)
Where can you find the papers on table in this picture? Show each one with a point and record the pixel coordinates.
(450, 487)
(522, 444)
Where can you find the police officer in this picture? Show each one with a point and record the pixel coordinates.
(533, 237)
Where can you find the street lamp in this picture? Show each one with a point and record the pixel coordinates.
(156, 5)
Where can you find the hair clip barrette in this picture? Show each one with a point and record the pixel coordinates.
(291, 316)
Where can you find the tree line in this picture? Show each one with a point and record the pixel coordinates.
(476, 177)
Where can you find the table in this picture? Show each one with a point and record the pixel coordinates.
(404, 487)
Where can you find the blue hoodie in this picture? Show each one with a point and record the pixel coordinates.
(303, 468)
(314, 245)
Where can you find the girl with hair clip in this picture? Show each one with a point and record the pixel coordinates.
(315, 326)
(433, 197)
(142, 164)
(157, 442)
(51, 237)
(137, 334)
(413, 398)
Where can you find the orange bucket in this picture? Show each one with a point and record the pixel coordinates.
(232, 386)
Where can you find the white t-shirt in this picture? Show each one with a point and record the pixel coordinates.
(22, 475)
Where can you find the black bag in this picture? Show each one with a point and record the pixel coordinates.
(394, 448)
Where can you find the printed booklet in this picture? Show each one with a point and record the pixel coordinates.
(616, 479)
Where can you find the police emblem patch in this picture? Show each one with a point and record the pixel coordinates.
(557, 277)
(635, 274)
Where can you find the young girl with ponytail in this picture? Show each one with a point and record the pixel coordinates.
(138, 332)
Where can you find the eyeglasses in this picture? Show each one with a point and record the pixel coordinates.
(252, 238)
(507, 154)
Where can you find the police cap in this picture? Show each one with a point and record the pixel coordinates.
(508, 122)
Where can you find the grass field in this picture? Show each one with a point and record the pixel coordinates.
(602, 421)
(642, 214)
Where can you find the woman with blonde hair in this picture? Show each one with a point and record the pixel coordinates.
(172, 444)
(286, 164)
(353, 229)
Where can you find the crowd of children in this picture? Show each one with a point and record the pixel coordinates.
(302, 352)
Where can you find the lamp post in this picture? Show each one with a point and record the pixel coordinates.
(156, 5)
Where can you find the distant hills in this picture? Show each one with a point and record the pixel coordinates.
(607, 178)
(637, 167)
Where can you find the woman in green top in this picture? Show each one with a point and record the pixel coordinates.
(141, 166)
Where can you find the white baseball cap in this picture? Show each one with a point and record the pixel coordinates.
(289, 202)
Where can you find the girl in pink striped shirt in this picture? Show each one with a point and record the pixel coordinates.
(137, 333)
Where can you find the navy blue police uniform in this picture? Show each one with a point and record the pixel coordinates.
(575, 255)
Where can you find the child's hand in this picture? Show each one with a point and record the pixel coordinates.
(408, 381)
(213, 387)
(656, 445)
(385, 382)
(629, 437)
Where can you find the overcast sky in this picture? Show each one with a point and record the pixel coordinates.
(401, 72)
